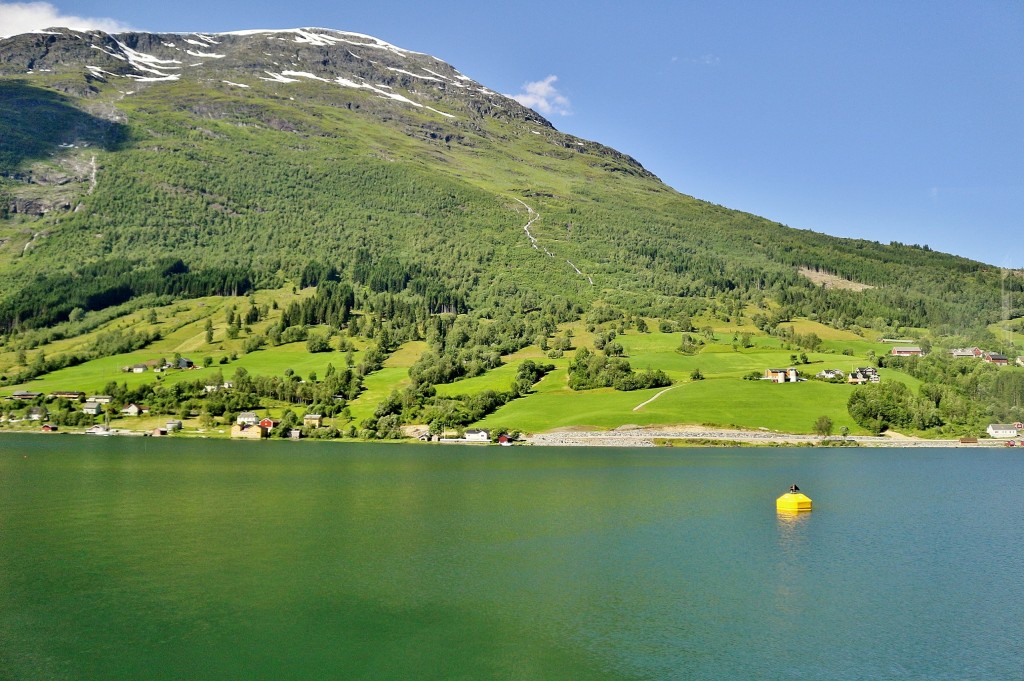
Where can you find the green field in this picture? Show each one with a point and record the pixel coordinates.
(722, 399)
(720, 402)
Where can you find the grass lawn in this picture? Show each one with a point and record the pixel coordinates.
(379, 384)
(271, 361)
(721, 402)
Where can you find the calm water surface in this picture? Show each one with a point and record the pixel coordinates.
(124, 558)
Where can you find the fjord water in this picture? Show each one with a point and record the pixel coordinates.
(130, 558)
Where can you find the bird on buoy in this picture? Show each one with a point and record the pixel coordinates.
(793, 500)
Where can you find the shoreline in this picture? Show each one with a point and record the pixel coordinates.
(657, 437)
(623, 436)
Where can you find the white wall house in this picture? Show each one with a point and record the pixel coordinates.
(1002, 430)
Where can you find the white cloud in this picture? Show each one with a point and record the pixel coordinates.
(26, 17)
(543, 97)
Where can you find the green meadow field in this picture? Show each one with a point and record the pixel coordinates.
(723, 398)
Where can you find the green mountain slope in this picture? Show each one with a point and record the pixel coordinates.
(269, 150)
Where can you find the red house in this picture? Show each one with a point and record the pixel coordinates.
(995, 358)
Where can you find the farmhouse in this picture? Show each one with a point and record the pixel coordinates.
(313, 420)
(906, 351)
(133, 409)
(93, 408)
(973, 352)
(101, 399)
(995, 358)
(781, 375)
(247, 418)
(474, 435)
(830, 373)
(67, 394)
(1003, 430)
(862, 375)
(247, 432)
(24, 395)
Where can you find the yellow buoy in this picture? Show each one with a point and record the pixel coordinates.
(793, 500)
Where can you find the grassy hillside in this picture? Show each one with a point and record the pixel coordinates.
(363, 231)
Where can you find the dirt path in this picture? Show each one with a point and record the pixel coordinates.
(656, 396)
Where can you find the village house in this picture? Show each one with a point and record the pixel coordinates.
(247, 432)
(475, 435)
(830, 373)
(789, 375)
(995, 358)
(67, 394)
(974, 352)
(863, 375)
(173, 426)
(295, 434)
(101, 399)
(1003, 430)
(24, 395)
(247, 418)
(37, 413)
(313, 420)
(268, 424)
(133, 409)
(906, 351)
(92, 408)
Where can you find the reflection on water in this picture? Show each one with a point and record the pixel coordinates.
(792, 528)
(788, 520)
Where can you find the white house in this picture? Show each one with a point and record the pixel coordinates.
(474, 435)
(247, 418)
(781, 375)
(92, 408)
(1006, 430)
(131, 410)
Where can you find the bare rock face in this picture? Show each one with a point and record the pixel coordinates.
(27, 206)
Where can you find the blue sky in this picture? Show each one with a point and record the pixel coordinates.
(877, 120)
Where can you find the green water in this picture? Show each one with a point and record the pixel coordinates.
(125, 558)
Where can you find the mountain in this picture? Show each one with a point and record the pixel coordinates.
(257, 158)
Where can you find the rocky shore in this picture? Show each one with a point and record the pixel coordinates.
(650, 437)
